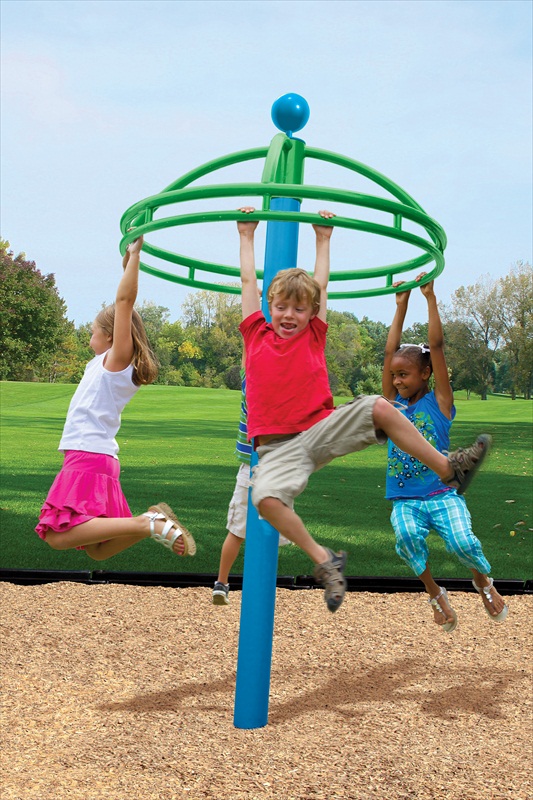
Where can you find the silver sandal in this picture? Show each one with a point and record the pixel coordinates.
(448, 627)
(486, 590)
(172, 523)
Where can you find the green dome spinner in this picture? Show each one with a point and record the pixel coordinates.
(282, 177)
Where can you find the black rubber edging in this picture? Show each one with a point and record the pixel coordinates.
(388, 585)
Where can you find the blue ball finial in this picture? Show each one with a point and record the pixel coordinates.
(290, 113)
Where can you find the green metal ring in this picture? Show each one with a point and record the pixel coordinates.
(139, 220)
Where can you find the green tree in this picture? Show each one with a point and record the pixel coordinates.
(417, 333)
(377, 333)
(514, 313)
(34, 325)
(503, 383)
(166, 348)
(348, 349)
(199, 310)
(470, 362)
(153, 317)
(370, 380)
(63, 368)
(232, 378)
(83, 350)
(476, 307)
(211, 327)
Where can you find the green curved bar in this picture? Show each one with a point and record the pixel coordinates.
(139, 218)
(393, 207)
(286, 216)
(218, 163)
(212, 166)
(366, 171)
(432, 253)
(272, 160)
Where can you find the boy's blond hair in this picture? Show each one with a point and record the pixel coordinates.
(298, 284)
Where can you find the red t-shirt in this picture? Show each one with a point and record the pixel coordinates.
(287, 387)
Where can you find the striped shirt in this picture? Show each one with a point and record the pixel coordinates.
(243, 447)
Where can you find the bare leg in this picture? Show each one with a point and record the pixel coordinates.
(127, 531)
(404, 434)
(103, 550)
(289, 524)
(441, 618)
(228, 554)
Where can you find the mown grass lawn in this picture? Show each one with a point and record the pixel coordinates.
(177, 445)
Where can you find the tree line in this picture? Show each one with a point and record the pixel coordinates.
(488, 330)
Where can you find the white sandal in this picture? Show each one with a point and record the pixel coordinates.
(486, 590)
(172, 523)
(434, 601)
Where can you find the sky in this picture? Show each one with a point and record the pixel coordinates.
(107, 102)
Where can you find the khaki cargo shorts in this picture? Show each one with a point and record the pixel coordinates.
(286, 464)
(238, 506)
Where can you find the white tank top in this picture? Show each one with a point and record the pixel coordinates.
(93, 417)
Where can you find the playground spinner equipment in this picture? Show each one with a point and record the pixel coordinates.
(281, 190)
(282, 177)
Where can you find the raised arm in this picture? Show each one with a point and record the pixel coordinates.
(121, 351)
(250, 295)
(322, 261)
(443, 389)
(393, 341)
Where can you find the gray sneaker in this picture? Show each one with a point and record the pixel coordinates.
(330, 576)
(466, 461)
(221, 594)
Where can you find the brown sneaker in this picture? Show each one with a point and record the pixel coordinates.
(330, 576)
(466, 461)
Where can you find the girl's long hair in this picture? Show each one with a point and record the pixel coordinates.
(144, 361)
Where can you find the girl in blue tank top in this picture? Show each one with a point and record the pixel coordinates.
(421, 501)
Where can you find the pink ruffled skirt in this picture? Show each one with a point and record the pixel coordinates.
(88, 486)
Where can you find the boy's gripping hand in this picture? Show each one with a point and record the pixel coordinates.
(322, 261)
(324, 231)
(247, 227)
(250, 298)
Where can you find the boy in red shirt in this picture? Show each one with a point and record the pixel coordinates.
(291, 415)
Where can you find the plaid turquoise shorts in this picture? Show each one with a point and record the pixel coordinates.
(446, 514)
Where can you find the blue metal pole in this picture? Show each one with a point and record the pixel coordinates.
(261, 553)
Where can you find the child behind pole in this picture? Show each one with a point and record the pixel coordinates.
(238, 507)
(421, 501)
(291, 416)
(85, 507)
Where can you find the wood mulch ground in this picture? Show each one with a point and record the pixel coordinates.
(115, 692)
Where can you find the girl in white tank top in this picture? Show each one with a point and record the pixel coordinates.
(85, 507)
